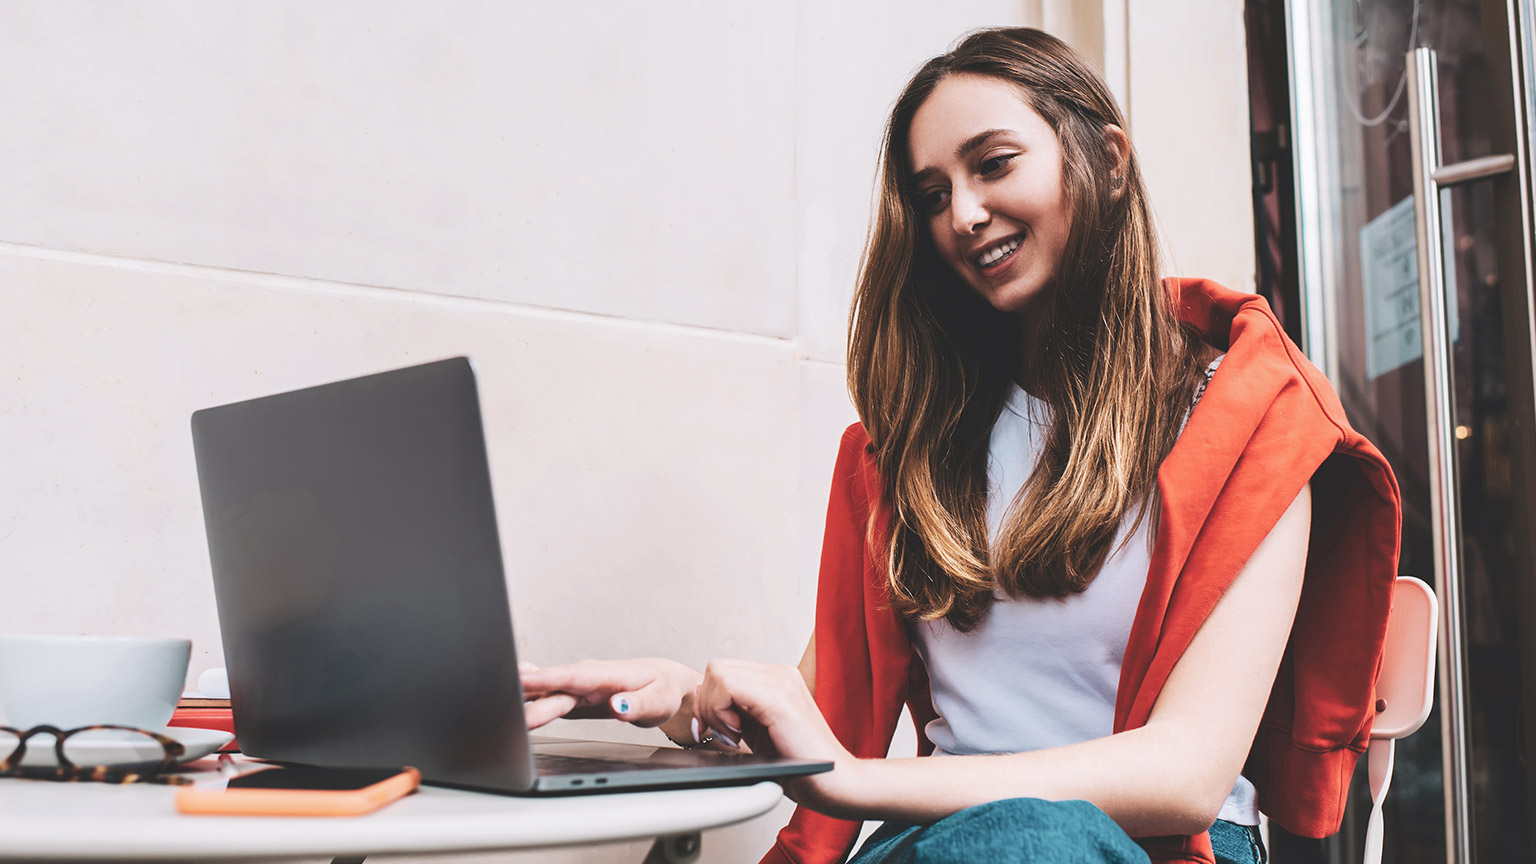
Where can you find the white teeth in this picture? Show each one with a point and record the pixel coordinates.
(996, 253)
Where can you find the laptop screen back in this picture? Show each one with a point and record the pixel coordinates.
(359, 579)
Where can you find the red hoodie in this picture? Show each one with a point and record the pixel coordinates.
(1268, 424)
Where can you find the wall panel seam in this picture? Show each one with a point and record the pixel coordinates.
(286, 284)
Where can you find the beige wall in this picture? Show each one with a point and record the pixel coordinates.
(1179, 69)
(1188, 97)
(643, 224)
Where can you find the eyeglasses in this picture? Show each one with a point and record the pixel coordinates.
(75, 750)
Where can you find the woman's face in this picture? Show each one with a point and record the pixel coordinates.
(987, 176)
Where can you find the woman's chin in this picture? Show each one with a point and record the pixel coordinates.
(1020, 295)
(1014, 302)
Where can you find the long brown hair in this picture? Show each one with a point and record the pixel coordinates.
(930, 363)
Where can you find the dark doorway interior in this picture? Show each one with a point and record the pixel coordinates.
(1274, 193)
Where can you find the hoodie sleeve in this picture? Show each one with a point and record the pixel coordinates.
(862, 652)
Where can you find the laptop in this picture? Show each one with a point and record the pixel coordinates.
(362, 600)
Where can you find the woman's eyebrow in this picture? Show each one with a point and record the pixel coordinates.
(966, 148)
(971, 144)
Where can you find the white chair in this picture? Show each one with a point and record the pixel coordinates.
(1405, 690)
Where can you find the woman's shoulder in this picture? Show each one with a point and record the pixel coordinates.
(856, 458)
(1242, 329)
(856, 438)
(1207, 354)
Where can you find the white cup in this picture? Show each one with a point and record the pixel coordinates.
(73, 681)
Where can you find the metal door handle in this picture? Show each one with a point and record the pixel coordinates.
(1429, 177)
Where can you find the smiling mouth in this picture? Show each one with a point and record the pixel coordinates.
(998, 254)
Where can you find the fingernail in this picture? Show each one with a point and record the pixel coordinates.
(721, 736)
(620, 704)
(693, 729)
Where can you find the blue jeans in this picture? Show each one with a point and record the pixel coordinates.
(1016, 831)
(1237, 844)
(1023, 830)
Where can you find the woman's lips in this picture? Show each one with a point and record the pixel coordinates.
(998, 256)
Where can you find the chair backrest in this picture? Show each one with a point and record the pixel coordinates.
(1407, 681)
(1405, 690)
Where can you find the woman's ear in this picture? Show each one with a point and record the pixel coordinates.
(1119, 147)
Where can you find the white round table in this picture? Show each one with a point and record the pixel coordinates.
(47, 821)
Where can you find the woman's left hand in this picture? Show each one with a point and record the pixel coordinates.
(770, 707)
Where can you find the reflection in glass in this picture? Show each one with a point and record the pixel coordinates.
(1377, 366)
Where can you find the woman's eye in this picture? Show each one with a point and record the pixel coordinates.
(994, 164)
(932, 200)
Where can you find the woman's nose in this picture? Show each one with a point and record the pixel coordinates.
(968, 213)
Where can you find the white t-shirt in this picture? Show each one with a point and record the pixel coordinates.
(1040, 672)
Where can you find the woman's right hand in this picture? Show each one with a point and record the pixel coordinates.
(645, 692)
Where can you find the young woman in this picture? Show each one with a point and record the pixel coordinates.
(1085, 519)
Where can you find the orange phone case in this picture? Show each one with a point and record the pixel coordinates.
(298, 802)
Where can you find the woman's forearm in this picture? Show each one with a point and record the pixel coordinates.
(1167, 777)
(1142, 778)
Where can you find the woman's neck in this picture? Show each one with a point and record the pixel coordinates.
(1031, 353)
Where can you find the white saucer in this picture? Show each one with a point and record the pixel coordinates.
(198, 743)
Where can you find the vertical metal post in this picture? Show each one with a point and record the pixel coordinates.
(676, 849)
(1307, 47)
(1444, 490)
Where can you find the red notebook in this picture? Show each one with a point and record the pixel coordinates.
(207, 714)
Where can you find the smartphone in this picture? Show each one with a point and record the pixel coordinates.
(302, 791)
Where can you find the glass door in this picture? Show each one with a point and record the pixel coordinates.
(1414, 213)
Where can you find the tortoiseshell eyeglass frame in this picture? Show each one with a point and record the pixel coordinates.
(136, 772)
